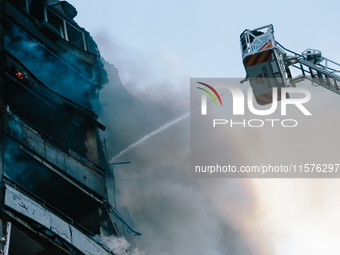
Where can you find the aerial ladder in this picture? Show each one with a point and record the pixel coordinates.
(267, 64)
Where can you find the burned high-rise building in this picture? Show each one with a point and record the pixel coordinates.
(55, 176)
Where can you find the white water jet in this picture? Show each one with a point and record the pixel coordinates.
(151, 134)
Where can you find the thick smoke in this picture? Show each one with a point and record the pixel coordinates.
(118, 245)
(173, 211)
(180, 215)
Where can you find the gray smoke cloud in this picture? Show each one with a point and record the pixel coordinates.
(174, 212)
(118, 245)
(177, 214)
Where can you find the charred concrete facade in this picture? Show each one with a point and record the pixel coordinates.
(54, 172)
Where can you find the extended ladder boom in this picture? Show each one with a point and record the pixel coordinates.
(314, 67)
(266, 59)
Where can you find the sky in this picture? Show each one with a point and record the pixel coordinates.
(153, 42)
(204, 35)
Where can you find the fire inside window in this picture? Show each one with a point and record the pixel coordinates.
(19, 75)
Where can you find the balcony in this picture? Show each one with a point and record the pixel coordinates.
(86, 175)
(34, 216)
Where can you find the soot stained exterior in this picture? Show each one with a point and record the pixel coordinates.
(54, 172)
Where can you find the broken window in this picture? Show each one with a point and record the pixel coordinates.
(75, 36)
(54, 122)
(56, 21)
(65, 29)
(50, 187)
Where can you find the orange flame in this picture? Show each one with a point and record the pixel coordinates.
(20, 76)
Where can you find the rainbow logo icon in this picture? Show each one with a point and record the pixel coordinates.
(209, 93)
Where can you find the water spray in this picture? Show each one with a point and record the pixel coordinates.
(158, 130)
(147, 136)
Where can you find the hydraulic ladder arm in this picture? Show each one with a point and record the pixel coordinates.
(314, 67)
